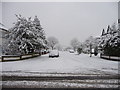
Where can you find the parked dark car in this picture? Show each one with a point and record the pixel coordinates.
(44, 51)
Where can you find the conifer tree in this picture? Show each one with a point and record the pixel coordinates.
(26, 36)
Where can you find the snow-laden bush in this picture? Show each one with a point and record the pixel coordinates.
(79, 50)
(26, 36)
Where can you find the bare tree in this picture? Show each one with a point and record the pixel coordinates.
(75, 44)
(52, 41)
(59, 47)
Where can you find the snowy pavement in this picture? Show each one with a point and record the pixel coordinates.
(66, 63)
(61, 84)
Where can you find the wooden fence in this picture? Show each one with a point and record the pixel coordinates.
(4, 58)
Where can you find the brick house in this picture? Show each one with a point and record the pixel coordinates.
(3, 31)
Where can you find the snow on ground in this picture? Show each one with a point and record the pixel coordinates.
(66, 63)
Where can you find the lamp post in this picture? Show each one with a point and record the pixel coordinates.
(90, 50)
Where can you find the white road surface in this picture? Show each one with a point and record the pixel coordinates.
(66, 63)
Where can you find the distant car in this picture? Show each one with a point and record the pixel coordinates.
(44, 51)
(54, 53)
(71, 51)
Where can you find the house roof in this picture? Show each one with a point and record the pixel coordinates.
(2, 27)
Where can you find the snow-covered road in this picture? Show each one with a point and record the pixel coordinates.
(66, 63)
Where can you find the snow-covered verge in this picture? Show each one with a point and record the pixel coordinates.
(60, 84)
(66, 63)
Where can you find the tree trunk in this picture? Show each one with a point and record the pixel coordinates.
(52, 47)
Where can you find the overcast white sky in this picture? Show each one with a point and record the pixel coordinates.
(65, 20)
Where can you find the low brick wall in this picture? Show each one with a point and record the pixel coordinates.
(4, 58)
(110, 58)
